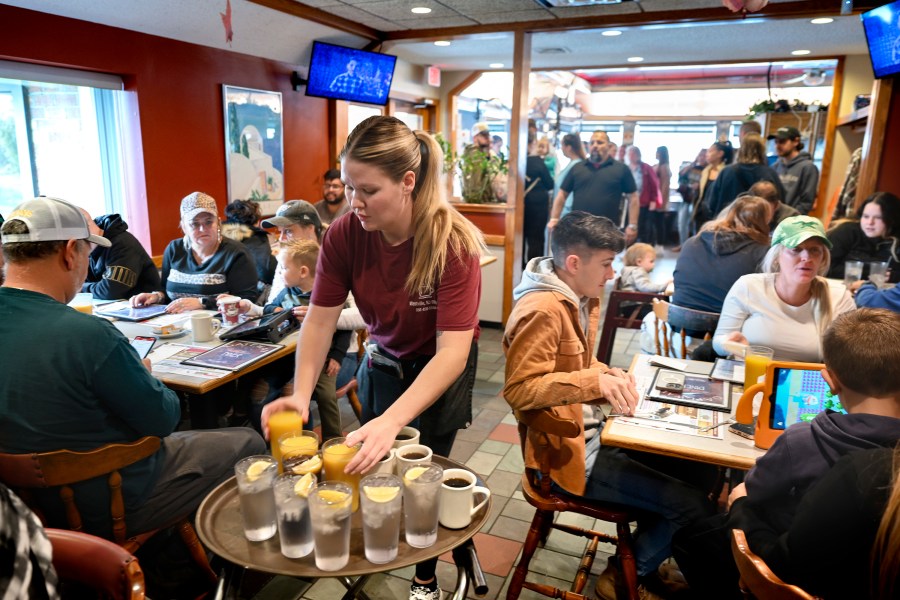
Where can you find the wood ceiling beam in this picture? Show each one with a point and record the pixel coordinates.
(786, 10)
(320, 16)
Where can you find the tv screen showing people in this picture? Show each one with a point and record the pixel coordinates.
(882, 26)
(348, 74)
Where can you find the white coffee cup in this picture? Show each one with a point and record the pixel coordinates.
(456, 509)
(413, 437)
(228, 307)
(204, 327)
(405, 456)
(385, 465)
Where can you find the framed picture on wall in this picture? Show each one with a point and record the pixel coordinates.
(254, 146)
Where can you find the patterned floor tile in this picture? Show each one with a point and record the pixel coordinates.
(495, 447)
(483, 463)
(505, 433)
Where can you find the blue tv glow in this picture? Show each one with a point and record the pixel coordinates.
(882, 26)
(349, 74)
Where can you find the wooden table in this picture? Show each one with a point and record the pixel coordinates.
(220, 527)
(732, 451)
(199, 385)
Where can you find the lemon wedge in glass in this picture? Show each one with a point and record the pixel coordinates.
(255, 470)
(414, 473)
(381, 493)
(304, 485)
(333, 496)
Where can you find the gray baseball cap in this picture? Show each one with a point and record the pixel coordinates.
(50, 220)
(300, 212)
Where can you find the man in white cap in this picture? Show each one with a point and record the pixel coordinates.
(476, 161)
(74, 382)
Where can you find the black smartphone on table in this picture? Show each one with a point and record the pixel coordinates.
(745, 430)
(143, 344)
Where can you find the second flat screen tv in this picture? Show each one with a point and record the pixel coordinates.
(349, 74)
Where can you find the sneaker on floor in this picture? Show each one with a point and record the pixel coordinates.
(418, 591)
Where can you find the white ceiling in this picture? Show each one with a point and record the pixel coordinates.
(268, 33)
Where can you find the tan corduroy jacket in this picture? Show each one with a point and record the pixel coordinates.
(549, 366)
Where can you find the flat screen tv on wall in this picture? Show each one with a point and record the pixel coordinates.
(349, 74)
(882, 26)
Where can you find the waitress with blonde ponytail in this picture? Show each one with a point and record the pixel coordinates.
(789, 305)
(412, 263)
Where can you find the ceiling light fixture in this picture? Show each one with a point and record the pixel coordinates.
(635, 59)
(442, 43)
(421, 10)
(611, 33)
(822, 21)
(496, 65)
(801, 52)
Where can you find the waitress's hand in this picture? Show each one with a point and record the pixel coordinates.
(282, 404)
(377, 437)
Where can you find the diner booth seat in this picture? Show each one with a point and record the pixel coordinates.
(548, 502)
(61, 468)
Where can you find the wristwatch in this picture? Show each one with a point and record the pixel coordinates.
(631, 226)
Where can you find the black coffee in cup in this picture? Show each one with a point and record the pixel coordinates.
(457, 482)
(413, 456)
(404, 436)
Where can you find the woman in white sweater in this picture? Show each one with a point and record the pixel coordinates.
(789, 305)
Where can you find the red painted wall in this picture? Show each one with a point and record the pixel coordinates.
(889, 177)
(174, 130)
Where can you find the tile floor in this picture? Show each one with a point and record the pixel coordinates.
(490, 447)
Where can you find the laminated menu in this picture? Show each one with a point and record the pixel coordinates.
(233, 356)
(697, 390)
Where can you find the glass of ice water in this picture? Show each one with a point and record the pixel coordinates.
(421, 503)
(330, 505)
(853, 270)
(255, 475)
(292, 506)
(878, 273)
(381, 497)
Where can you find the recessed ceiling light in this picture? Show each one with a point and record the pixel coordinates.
(635, 59)
(822, 21)
(611, 32)
(496, 65)
(801, 52)
(442, 43)
(421, 10)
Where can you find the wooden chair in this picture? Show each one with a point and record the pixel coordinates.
(537, 490)
(671, 317)
(96, 564)
(61, 468)
(757, 579)
(613, 319)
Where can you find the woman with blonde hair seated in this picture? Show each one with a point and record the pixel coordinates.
(789, 305)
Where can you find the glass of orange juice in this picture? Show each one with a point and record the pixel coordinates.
(756, 359)
(297, 449)
(336, 454)
(279, 424)
(83, 302)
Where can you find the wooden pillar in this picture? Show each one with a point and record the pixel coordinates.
(873, 144)
(518, 154)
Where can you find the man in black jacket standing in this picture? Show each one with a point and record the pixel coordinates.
(122, 270)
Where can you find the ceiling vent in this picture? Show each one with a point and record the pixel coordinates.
(567, 3)
(552, 51)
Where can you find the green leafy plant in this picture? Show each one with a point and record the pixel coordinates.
(763, 106)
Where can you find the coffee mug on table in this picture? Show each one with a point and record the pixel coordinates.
(204, 327)
(228, 307)
(410, 455)
(387, 464)
(457, 496)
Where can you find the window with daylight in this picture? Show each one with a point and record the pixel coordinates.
(60, 136)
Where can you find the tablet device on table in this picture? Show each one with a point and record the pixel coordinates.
(272, 327)
(798, 395)
(130, 313)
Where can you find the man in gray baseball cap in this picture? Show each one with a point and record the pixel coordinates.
(296, 220)
(74, 382)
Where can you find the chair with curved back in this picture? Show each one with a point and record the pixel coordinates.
(536, 487)
(61, 468)
(96, 564)
(757, 579)
(624, 310)
(671, 318)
